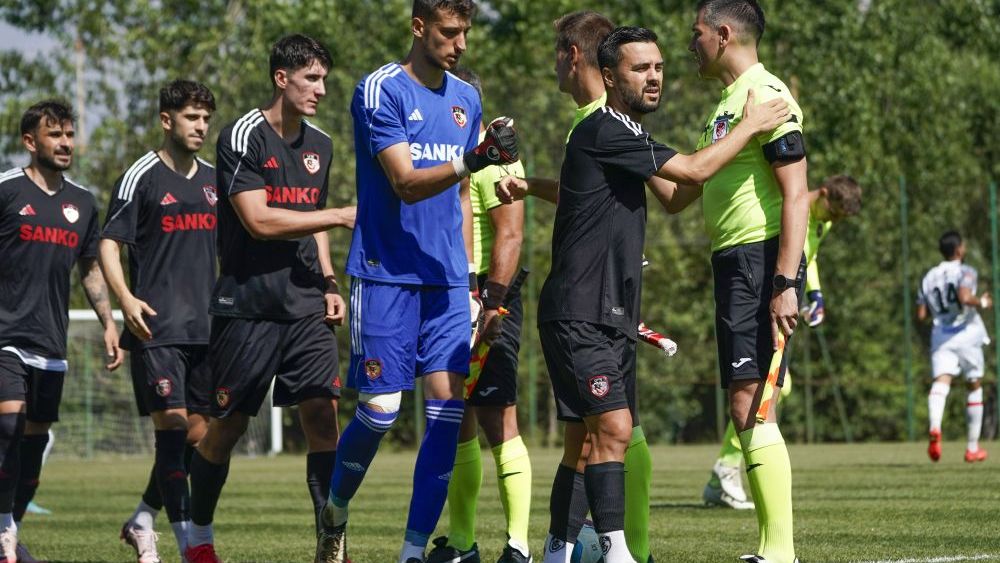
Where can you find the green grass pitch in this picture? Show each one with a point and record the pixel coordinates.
(872, 502)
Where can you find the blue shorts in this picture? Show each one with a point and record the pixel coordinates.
(401, 332)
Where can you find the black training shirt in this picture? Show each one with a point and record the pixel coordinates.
(600, 223)
(269, 279)
(42, 237)
(168, 223)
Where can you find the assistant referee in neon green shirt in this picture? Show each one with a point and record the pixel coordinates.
(756, 211)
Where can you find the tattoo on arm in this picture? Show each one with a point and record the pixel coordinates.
(95, 288)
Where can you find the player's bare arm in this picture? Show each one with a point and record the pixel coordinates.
(511, 188)
(697, 168)
(794, 187)
(336, 307)
(273, 223)
(97, 295)
(968, 298)
(508, 234)
(417, 184)
(133, 308)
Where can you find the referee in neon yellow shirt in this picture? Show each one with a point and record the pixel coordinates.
(837, 198)
(756, 212)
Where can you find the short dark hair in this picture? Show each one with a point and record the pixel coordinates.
(747, 15)
(55, 110)
(949, 243)
(471, 77)
(609, 52)
(585, 29)
(427, 8)
(296, 51)
(844, 194)
(180, 93)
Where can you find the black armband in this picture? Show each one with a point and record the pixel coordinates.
(493, 294)
(790, 147)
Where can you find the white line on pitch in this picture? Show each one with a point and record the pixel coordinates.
(943, 559)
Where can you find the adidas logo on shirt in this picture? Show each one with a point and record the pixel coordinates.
(168, 199)
(415, 116)
(271, 163)
(27, 210)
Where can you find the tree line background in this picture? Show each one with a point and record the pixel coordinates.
(889, 88)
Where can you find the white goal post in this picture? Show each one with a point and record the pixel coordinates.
(98, 414)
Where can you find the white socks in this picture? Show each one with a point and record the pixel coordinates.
(181, 534)
(974, 418)
(617, 549)
(144, 517)
(410, 550)
(559, 555)
(199, 535)
(935, 403)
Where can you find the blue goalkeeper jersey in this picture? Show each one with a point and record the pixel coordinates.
(396, 242)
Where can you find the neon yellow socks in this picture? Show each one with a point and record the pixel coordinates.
(514, 482)
(638, 475)
(770, 476)
(463, 495)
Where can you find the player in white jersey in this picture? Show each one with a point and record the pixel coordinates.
(948, 294)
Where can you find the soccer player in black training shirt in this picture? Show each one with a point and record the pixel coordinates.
(48, 223)
(163, 211)
(589, 305)
(276, 294)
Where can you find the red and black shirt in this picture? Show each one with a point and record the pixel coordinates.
(42, 237)
(168, 222)
(269, 279)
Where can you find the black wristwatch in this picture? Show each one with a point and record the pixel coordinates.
(781, 283)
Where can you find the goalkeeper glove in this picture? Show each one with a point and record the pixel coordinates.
(650, 336)
(816, 311)
(498, 147)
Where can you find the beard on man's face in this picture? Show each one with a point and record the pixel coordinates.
(637, 102)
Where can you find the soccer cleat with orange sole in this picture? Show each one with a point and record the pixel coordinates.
(974, 456)
(934, 447)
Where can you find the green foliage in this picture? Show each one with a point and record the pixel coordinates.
(906, 88)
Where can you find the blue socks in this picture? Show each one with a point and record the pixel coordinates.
(433, 469)
(356, 450)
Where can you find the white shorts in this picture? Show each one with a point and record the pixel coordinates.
(959, 352)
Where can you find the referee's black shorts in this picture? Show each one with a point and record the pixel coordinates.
(744, 277)
(497, 385)
(591, 366)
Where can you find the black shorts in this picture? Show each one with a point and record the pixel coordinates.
(172, 377)
(245, 354)
(592, 368)
(743, 288)
(40, 389)
(497, 385)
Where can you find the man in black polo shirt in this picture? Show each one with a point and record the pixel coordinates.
(276, 293)
(163, 211)
(48, 223)
(588, 309)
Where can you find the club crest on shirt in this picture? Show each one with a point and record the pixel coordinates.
(222, 396)
(599, 386)
(70, 212)
(163, 387)
(210, 194)
(311, 162)
(721, 126)
(458, 112)
(373, 369)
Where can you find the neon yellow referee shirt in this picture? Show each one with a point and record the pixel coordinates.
(742, 202)
(484, 198)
